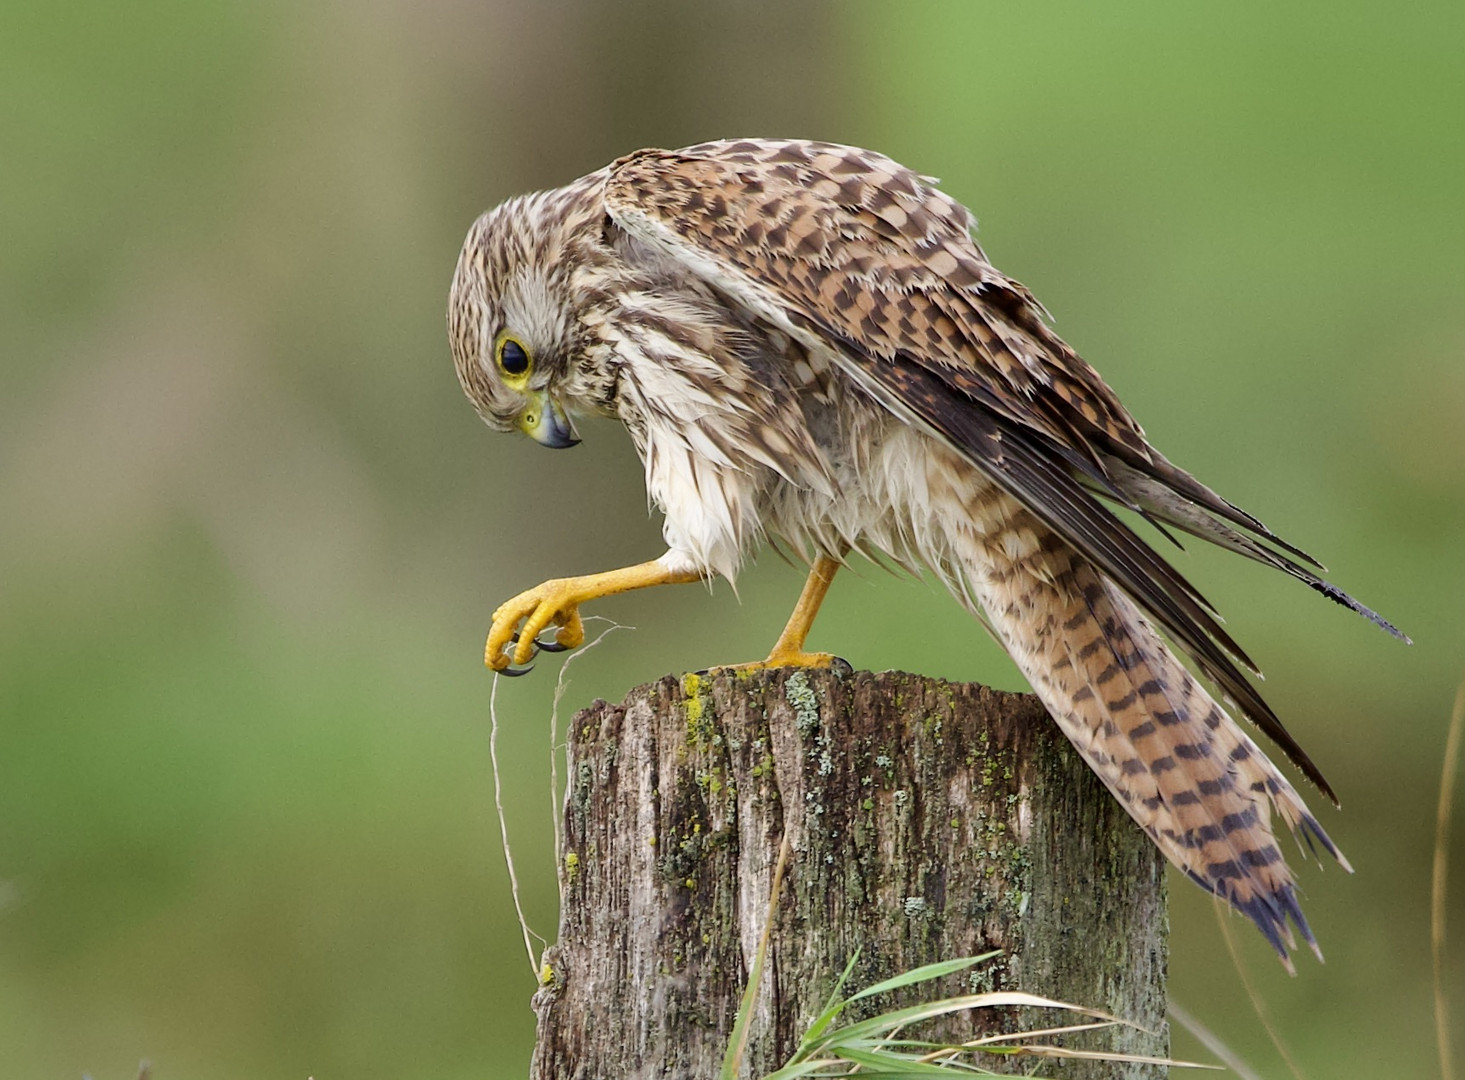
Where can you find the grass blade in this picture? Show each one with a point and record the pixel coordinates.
(924, 974)
(889, 1063)
(913, 1014)
(832, 1008)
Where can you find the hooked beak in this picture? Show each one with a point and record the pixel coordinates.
(546, 423)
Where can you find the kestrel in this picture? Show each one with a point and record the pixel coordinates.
(807, 344)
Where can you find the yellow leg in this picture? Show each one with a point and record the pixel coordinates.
(788, 650)
(558, 602)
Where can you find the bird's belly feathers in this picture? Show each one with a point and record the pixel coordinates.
(860, 480)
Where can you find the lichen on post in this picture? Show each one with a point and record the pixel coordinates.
(927, 821)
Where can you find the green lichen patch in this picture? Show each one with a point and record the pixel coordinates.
(584, 786)
(916, 907)
(800, 695)
(699, 711)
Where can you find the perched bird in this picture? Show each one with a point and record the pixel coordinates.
(807, 344)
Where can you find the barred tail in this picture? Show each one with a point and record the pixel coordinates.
(1192, 779)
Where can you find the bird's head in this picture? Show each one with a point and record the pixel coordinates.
(517, 345)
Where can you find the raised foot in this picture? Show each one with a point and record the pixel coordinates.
(555, 602)
(558, 602)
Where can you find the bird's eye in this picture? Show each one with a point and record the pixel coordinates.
(512, 358)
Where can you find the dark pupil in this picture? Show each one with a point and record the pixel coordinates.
(513, 358)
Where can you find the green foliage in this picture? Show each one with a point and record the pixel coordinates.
(882, 1045)
(252, 533)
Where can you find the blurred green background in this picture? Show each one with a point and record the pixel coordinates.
(251, 533)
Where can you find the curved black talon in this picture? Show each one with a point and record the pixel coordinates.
(514, 673)
(509, 648)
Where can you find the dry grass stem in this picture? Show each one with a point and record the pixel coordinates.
(1258, 1004)
(733, 1059)
(498, 802)
(561, 684)
(1440, 884)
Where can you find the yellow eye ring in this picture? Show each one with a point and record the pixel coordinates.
(512, 359)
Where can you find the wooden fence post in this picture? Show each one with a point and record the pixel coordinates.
(928, 821)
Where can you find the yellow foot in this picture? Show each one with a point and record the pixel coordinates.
(788, 650)
(556, 602)
(787, 658)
